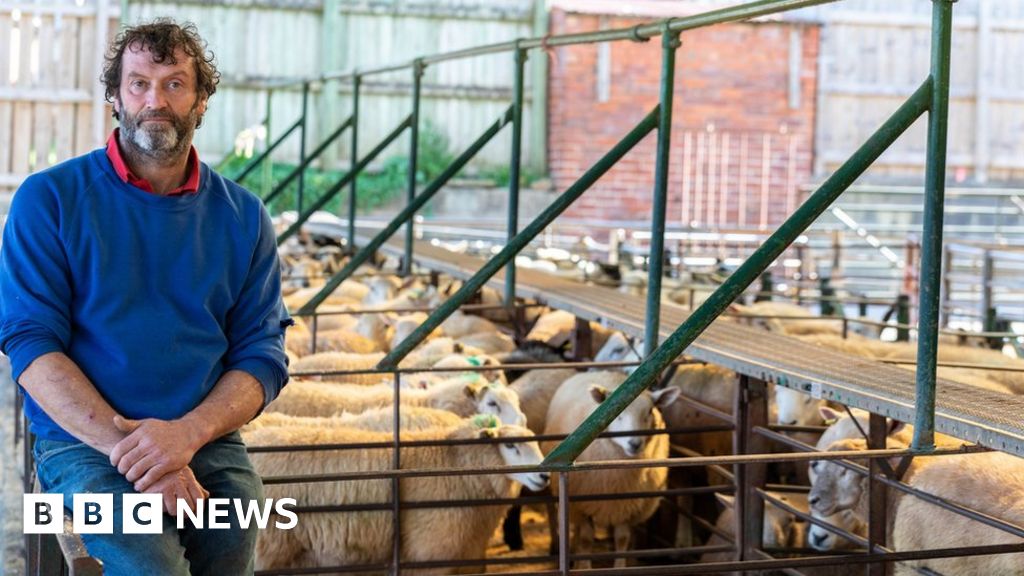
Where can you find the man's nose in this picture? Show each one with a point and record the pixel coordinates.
(156, 98)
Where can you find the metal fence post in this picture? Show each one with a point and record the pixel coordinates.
(267, 176)
(751, 411)
(513, 172)
(947, 287)
(669, 44)
(931, 240)
(984, 311)
(302, 146)
(414, 145)
(357, 82)
(877, 434)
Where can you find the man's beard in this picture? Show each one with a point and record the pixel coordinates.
(157, 140)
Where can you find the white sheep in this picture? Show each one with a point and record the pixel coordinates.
(329, 341)
(489, 342)
(460, 324)
(343, 361)
(556, 328)
(376, 419)
(780, 529)
(456, 395)
(575, 400)
(366, 537)
(822, 539)
(991, 483)
(375, 327)
(536, 388)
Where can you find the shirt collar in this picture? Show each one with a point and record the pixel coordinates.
(190, 186)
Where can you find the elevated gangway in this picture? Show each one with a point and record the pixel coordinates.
(989, 418)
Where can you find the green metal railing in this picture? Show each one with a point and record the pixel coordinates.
(932, 96)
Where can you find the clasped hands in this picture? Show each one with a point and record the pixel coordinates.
(155, 455)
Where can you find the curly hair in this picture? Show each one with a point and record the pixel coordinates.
(162, 38)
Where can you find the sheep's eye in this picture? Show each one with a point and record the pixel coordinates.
(510, 446)
(814, 465)
(808, 400)
(492, 403)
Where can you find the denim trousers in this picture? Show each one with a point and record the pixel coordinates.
(222, 467)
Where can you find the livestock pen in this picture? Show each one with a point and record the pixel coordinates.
(983, 420)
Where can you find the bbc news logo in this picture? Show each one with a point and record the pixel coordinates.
(143, 513)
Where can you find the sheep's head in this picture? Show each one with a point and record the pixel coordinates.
(497, 400)
(836, 487)
(519, 453)
(821, 539)
(619, 348)
(639, 415)
(795, 408)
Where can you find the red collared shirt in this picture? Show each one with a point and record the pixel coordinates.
(190, 186)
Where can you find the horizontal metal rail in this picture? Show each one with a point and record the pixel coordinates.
(406, 214)
(353, 172)
(279, 188)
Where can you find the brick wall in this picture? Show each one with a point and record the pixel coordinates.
(739, 150)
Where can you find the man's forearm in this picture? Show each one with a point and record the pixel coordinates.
(235, 399)
(67, 396)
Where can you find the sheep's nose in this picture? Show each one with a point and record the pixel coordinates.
(814, 499)
(545, 476)
(636, 445)
(819, 539)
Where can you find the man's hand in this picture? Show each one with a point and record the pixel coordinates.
(153, 449)
(180, 483)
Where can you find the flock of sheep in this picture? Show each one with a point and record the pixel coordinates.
(499, 412)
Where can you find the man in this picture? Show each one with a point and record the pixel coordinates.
(140, 305)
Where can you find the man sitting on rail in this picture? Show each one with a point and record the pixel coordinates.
(140, 304)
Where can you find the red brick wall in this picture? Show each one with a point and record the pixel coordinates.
(731, 100)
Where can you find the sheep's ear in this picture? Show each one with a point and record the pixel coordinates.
(666, 396)
(828, 414)
(489, 433)
(728, 501)
(473, 390)
(598, 393)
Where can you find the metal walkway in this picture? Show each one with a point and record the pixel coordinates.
(966, 412)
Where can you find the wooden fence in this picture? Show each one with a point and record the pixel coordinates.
(257, 41)
(51, 101)
(875, 53)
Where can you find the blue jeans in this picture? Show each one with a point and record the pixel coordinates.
(222, 467)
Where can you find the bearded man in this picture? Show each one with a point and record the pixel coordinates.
(140, 305)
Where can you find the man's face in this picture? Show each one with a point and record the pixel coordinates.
(157, 103)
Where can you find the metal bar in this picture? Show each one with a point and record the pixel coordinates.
(302, 147)
(406, 214)
(931, 237)
(877, 492)
(472, 285)
(772, 248)
(396, 495)
(563, 523)
(656, 260)
(263, 155)
(297, 172)
(513, 171)
(354, 153)
(266, 176)
(294, 228)
(414, 148)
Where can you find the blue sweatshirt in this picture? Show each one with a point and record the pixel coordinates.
(153, 297)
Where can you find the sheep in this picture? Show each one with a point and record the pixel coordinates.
(799, 325)
(343, 361)
(460, 324)
(489, 342)
(536, 388)
(380, 289)
(991, 483)
(780, 528)
(455, 395)
(620, 348)
(574, 401)
(341, 296)
(556, 328)
(330, 341)
(375, 327)
(403, 326)
(365, 537)
(375, 419)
